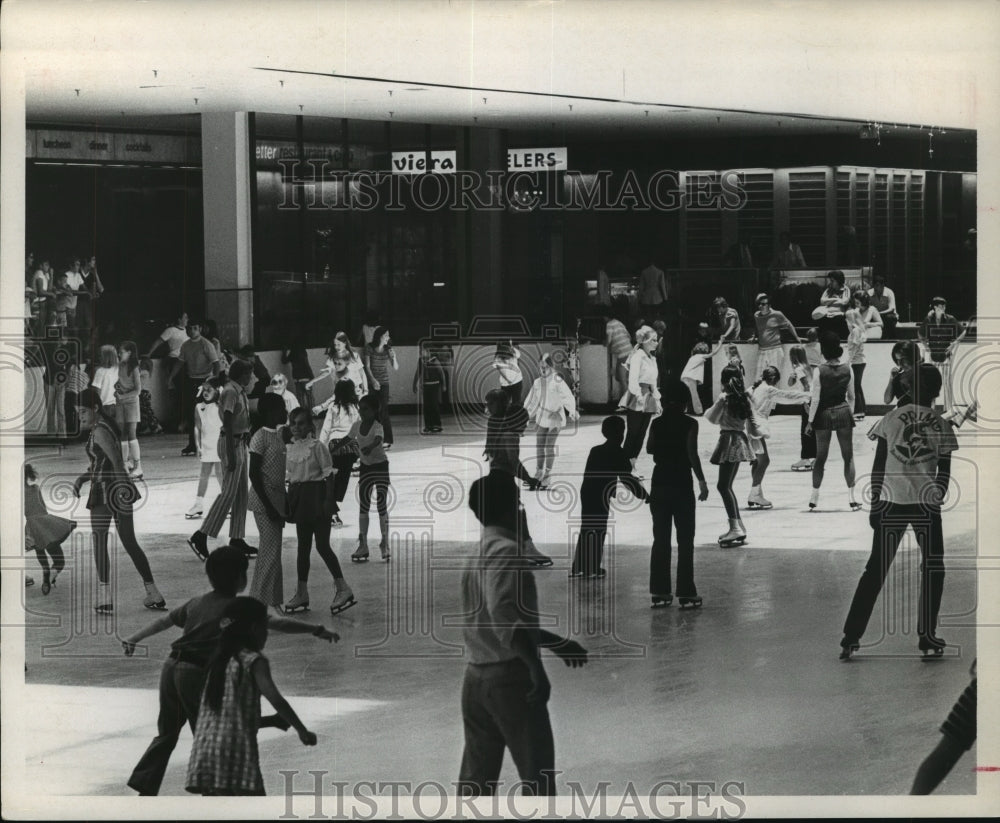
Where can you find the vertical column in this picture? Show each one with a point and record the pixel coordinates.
(484, 250)
(225, 153)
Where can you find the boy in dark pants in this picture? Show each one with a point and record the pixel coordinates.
(431, 378)
(910, 478)
(505, 690)
(673, 442)
(606, 465)
(184, 672)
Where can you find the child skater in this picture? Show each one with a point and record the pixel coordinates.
(105, 377)
(673, 443)
(802, 375)
(607, 464)
(183, 677)
(366, 433)
(340, 416)
(266, 499)
(735, 416)
(224, 759)
(694, 372)
(44, 532)
(127, 390)
(148, 422)
(504, 427)
(765, 396)
(311, 498)
(549, 403)
(207, 428)
(511, 379)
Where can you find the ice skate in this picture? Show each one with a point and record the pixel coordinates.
(803, 465)
(196, 511)
(736, 536)
(756, 500)
(848, 648)
(814, 500)
(932, 648)
(361, 552)
(154, 600)
(343, 599)
(661, 601)
(854, 504)
(689, 602)
(299, 601)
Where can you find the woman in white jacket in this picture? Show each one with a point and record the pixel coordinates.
(642, 400)
(549, 403)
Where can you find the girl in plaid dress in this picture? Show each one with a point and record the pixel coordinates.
(224, 759)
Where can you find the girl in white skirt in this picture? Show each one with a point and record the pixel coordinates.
(550, 402)
(831, 410)
(207, 427)
(734, 413)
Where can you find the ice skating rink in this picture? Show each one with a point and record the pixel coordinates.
(747, 689)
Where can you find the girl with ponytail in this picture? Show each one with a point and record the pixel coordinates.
(736, 417)
(224, 758)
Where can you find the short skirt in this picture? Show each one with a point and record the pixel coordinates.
(127, 411)
(307, 502)
(47, 529)
(733, 447)
(836, 417)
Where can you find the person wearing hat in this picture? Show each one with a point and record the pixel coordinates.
(940, 333)
(769, 323)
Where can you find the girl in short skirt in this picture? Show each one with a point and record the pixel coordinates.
(550, 403)
(734, 413)
(127, 391)
(224, 758)
(207, 428)
(44, 532)
(831, 409)
(311, 494)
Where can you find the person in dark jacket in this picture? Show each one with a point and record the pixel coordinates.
(607, 465)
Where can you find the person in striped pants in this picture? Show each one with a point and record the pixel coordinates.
(234, 409)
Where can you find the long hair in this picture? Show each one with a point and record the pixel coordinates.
(331, 350)
(737, 401)
(378, 334)
(300, 412)
(769, 375)
(345, 395)
(797, 356)
(132, 365)
(238, 622)
(108, 357)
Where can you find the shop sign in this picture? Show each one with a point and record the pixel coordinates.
(273, 152)
(70, 145)
(416, 162)
(46, 144)
(537, 159)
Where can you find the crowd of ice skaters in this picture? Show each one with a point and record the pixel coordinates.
(291, 469)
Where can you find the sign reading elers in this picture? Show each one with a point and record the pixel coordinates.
(536, 159)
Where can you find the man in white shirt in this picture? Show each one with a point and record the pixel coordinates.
(884, 301)
(74, 282)
(172, 339)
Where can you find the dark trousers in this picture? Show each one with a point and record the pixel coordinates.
(705, 388)
(637, 424)
(496, 715)
(513, 393)
(432, 406)
(885, 541)
(58, 559)
(590, 544)
(836, 324)
(672, 508)
(807, 450)
(100, 522)
(383, 412)
(189, 402)
(859, 393)
(180, 697)
(318, 529)
(889, 326)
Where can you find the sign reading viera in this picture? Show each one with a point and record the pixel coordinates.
(444, 161)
